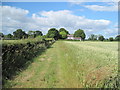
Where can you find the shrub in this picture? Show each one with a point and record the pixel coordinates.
(16, 56)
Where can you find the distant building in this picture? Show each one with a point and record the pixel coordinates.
(71, 37)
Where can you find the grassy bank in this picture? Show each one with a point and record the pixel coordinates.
(69, 64)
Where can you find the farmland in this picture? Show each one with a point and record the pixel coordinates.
(70, 64)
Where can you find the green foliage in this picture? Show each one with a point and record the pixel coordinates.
(80, 33)
(92, 37)
(33, 34)
(38, 33)
(111, 39)
(9, 36)
(117, 38)
(18, 53)
(63, 33)
(62, 29)
(19, 34)
(101, 38)
(53, 33)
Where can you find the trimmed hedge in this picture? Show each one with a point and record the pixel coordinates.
(15, 56)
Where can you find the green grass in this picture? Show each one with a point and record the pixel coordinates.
(70, 64)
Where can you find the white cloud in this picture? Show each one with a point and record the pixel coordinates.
(17, 18)
(102, 8)
(67, 19)
(111, 5)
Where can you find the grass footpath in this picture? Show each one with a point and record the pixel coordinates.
(69, 64)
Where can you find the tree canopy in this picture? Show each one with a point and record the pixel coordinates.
(117, 38)
(53, 33)
(63, 33)
(62, 29)
(80, 33)
(101, 38)
(111, 39)
(38, 33)
(34, 34)
(19, 34)
(92, 37)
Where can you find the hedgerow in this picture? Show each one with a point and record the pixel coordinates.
(17, 54)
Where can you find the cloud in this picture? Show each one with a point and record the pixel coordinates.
(102, 8)
(111, 5)
(67, 19)
(15, 18)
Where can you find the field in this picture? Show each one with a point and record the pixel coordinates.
(71, 64)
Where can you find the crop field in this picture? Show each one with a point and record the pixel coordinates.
(71, 64)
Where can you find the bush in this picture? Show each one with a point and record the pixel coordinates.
(16, 56)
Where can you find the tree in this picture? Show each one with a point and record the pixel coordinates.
(10, 36)
(80, 33)
(38, 33)
(111, 39)
(53, 33)
(34, 34)
(101, 38)
(19, 34)
(63, 35)
(62, 29)
(117, 38)
(31, 34)
(92, 37)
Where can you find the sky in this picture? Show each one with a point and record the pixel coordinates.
(92, 17)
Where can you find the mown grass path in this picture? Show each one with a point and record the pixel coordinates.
(69, 64)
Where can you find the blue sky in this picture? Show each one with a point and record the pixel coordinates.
(93, 17)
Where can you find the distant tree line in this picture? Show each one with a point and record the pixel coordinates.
(20, 34)
(94, 37)
(56, 34)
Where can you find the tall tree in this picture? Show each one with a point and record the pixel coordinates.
(19, 34)
(38, 33)
(63, 33)
(53, 33)
(9, 35)
(101, 38)
(34, 34)
(80, 33)
(62, 29)
(92, 37)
